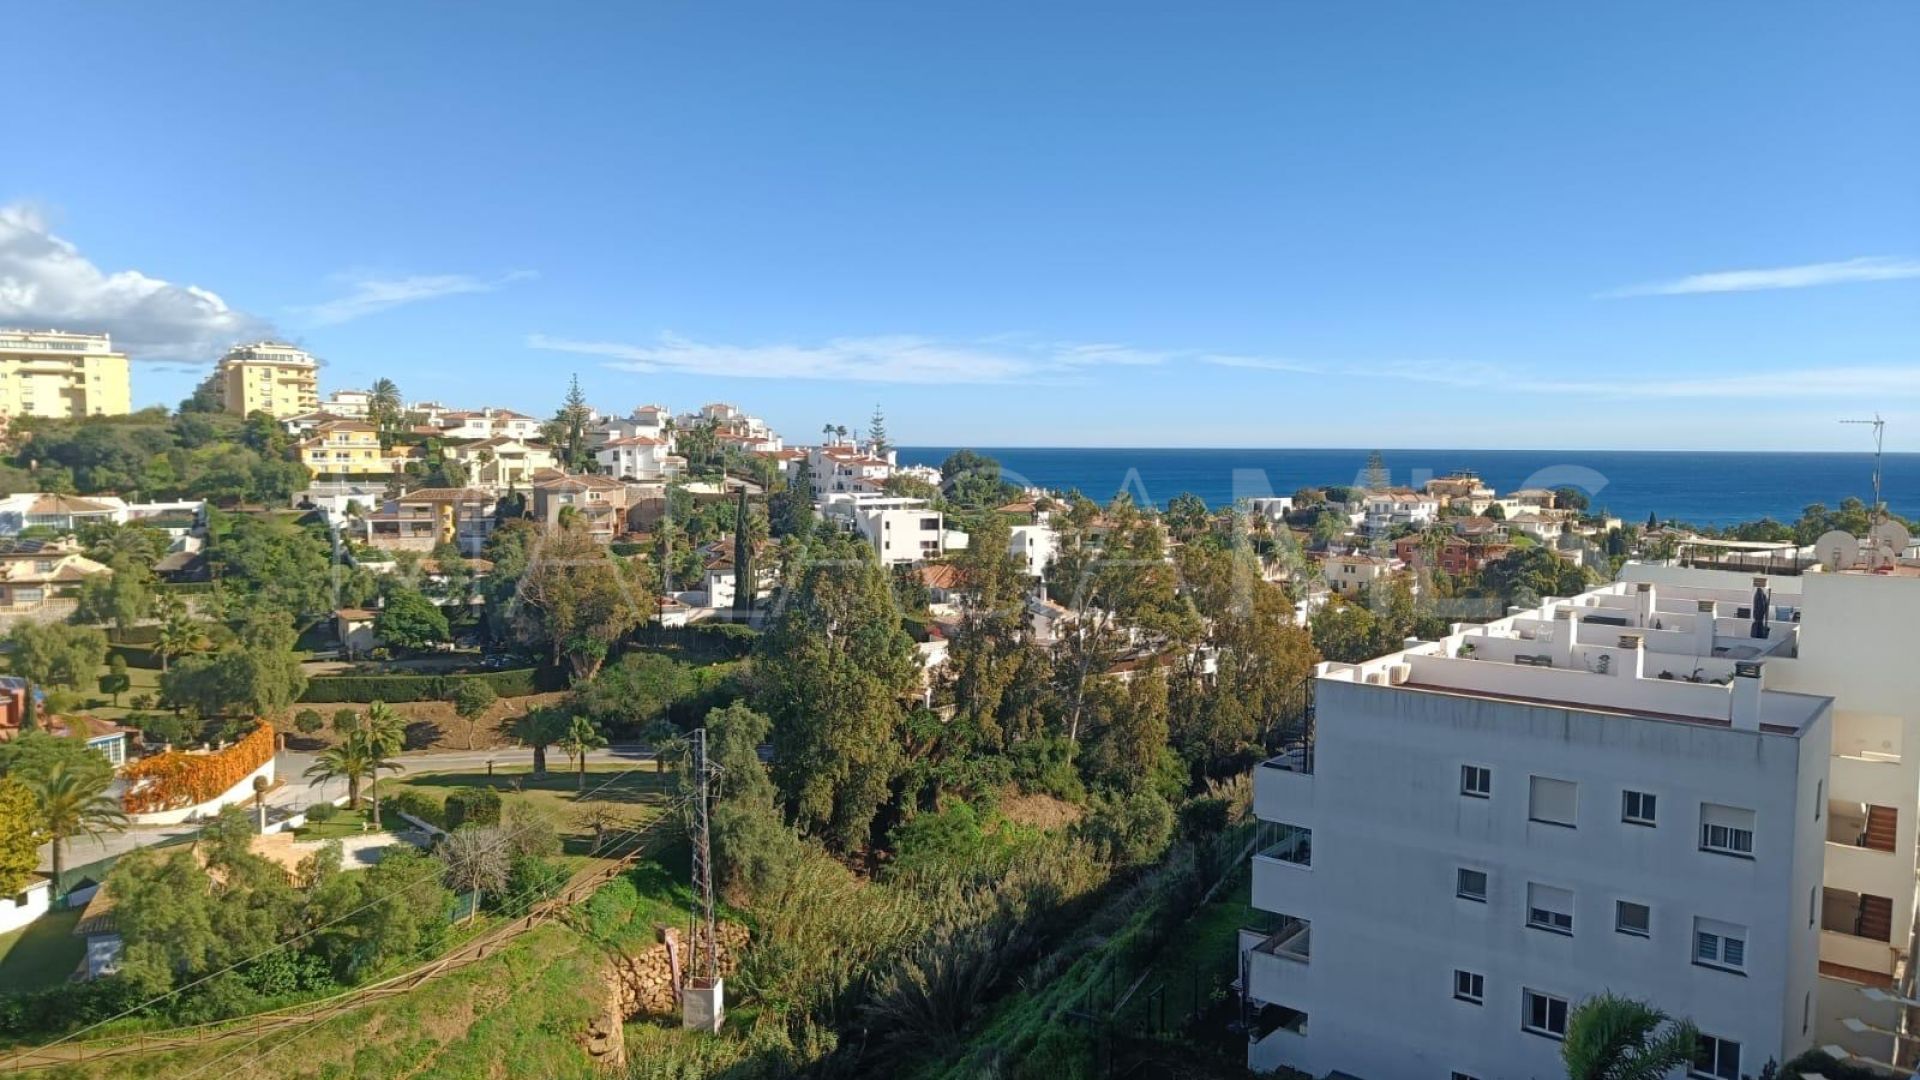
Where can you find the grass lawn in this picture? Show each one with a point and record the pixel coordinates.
(634, 798)
(342, 826)
(42, 953)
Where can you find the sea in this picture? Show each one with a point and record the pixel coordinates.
(1717, 488)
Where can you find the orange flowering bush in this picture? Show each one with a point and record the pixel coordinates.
(172, 780)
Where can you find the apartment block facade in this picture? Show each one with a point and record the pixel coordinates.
(1483, 831)
(268, 377)
(55, 374)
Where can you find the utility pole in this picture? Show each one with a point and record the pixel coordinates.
(702, 1001)
(1879, 441)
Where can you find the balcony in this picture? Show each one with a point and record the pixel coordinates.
(1278, 963)
(1280, 884)
(1283, 786)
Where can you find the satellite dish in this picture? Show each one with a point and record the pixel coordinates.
(1892, 536)
(1837, 550)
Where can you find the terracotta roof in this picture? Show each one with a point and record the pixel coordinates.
(357, 614)
(465, 494)
(97, 917)
(636, 440)
(576, 480)
(66, 504)
(945, 576)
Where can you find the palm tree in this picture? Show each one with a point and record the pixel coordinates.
(540, 728)
(386, 731)
(383, 407)
(1610, 1037)
(581, 738)
(354, 758)
(74, 803)
(179, 634)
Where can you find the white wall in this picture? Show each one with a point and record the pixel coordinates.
(31, 903)
(239, 794)
(1391, 829)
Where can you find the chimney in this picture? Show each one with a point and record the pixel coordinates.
(1747, 684)
(1703, 628)
(1643, 597)
(1566, 631)
(1636, 665)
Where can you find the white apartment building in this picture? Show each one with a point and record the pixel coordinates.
(1386, 509)
(57, 374)
(1034, 546)
(349, 404)
(639, 457)
(1485, 830)
(902, 530)
(840, 468)
(487, 424)
(647, 421)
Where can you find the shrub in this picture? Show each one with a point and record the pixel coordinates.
(309, 721)
(530, 880)
(415, 804)
(472, 806)
(392, 689)
(322, 812)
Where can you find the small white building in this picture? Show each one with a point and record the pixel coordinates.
(1387, 510)
(33, 900)
(638, 457)
(1352, 572)
(901, 530)
(1034, 546)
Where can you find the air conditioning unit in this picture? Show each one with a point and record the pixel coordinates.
(1399, 673)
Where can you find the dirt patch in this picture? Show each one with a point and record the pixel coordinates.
(431, 725)
(1042, 811)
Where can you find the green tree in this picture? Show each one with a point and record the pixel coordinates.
(877, 432)
(410, 621)
(309, 721)
(116, 681)
(53, 654)
(1377, 478)
(408, 915)
(753, 848)
(354, 759)
(832, 672)
(790, 509)
(1610, 1037)
(471, 698)
(21, 833)
(386, 733)
(119, 598)
(385, 409)
(1346, 632)
(567, 431)
(539, 728)
(635, 692)
(576, 599)
(581, 739)
(74, 803)
(179, 633)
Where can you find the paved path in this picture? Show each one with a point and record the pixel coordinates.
(296, 793)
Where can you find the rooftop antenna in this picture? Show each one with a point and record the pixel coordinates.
(1879, 441)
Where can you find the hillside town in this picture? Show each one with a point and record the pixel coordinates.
(301, 639)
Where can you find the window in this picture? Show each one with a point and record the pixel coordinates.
(1632, 919)
(1470, 987)
(1726, 830)
(1476, 781)
(1543, 1014)
(1549, 908)
(1551, 801)
(1292, 844)
(1819, 797)
(1471, 885)
(1720, 945)
(1637, 807)
(1716, 1057)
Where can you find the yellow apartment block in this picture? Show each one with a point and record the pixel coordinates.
(52, 373)
(267, 377)
(345, 448)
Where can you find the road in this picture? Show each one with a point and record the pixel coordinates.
(295, 792)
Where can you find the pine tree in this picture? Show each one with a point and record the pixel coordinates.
(1377, 478)
(877, 433)
(742, 561)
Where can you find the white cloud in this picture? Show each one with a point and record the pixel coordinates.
(1867, 268)
(370, 295)
(896, 358)
(46, 283)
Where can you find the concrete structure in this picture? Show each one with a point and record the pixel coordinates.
(269, 377)
(56, 374)
(1478, 833)
(901, 530)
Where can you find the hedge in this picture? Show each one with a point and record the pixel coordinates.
(359, 689)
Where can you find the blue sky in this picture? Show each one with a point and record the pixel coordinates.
(1237, 224)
